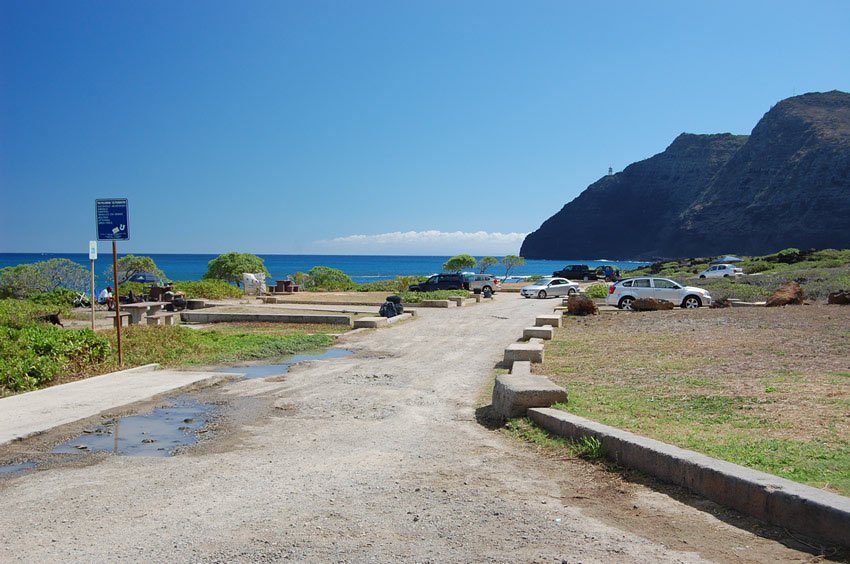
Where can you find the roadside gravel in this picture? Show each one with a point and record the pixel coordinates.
(375, 457)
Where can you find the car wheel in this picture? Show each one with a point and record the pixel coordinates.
(487, 289)
(571, 292)
(725, 276)
(626, 303)
(691, 302)
(541, 294)
(702, 275)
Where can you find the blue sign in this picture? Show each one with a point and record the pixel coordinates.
(112, 219)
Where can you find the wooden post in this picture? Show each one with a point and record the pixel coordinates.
(116, 301)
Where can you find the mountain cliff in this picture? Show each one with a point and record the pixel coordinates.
(786, 185)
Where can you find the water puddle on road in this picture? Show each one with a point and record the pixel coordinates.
(266, 370)
(7, 469)
(157, 433)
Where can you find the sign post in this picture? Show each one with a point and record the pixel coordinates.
(112, 218)
(92, 258)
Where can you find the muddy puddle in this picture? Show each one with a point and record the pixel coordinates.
(266, 370)
(165, 429)
(157, 433)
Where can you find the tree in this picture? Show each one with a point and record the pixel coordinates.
(486, 263)
(131, 264)
(230, 266)
(328, 278)
(511, 261)
(25, 280)
(458, 263)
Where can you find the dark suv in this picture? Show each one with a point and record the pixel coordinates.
(575, 272)
(441, 282)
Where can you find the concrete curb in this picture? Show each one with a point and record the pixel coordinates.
(200, 316)
(772, 499)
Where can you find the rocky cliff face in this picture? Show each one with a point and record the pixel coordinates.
(786, 185)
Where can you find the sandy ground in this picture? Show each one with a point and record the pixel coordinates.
(376, 457)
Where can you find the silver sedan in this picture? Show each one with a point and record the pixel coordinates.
(550, 287)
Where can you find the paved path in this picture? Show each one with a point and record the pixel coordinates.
(31, 413)
(375, 457)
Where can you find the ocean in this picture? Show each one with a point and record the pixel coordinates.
(361, 268)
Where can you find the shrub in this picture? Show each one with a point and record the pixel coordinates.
(230, 266)
(327, 278)
(61, 298)
(597, 291)
(33, 355)
(22, 313)
(398, 285)
(459, 262)
(208, 289)
(581, 305)
(25, 280)
(651, 304)
(416, 297)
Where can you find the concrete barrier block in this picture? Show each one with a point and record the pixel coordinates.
(513, 394)
(521, 367)
(370, 322)
(778, 501)
(435, 303)
(458, 300)
(532, 352)
(545, 332)
(552, 319)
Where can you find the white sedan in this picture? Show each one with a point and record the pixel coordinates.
(550, 287)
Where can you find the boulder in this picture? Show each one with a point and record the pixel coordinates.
(651, 304)
(720, 303)
(787, 294)
(841, 297)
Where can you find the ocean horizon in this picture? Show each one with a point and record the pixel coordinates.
(361, 268)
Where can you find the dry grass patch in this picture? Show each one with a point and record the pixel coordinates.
(767, 388)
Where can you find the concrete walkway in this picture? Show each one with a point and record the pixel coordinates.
(31, 413)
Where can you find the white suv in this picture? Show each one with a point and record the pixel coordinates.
(625, 292)
(721, 270)
(481, 282)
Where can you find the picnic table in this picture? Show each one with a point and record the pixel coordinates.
(139, 309)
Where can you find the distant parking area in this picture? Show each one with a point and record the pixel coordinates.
(767, 388)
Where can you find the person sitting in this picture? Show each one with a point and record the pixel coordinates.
(105, 298)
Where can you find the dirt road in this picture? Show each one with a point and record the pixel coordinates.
(376, 457)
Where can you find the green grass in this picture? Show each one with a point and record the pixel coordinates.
(524, 429)
(180, 346)
(729, 427)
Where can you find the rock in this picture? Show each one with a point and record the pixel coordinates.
(787, 294)
(651, 304)
(720, 303)
(581, 305)
(841, 297)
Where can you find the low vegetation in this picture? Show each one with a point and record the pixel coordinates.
(767, 388)
(819, 272)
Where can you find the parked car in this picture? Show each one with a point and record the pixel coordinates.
(625, 292)
(721, 270)
(454, 281)
(481, 282)
(145, 278)
(575, 272)
(546, 287)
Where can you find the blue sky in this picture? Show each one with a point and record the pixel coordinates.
(369, 127)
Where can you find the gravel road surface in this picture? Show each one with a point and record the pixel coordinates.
(376, 457)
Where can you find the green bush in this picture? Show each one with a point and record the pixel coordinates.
(22, 313)
(398, 285)
(330, 279)
(61, 298)
(138, 288)
(597, 291)
(25, 280)
(416, 297)
(208, 289)
(33, 355)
